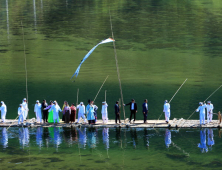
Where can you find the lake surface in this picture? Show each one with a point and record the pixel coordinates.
(109, 148)
(159, 44)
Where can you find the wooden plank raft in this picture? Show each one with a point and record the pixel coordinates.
(175, 123)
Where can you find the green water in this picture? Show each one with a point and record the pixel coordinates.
(159, 44)
(109, 148)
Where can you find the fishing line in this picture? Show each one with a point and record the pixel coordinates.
(100, 88)
(171, 100)
(117, 66)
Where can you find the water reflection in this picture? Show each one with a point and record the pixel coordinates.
(210, 141)
(167, 138)
(202, 145)
(91, 135)
(4, 139)
(106, 137)
(91, 138)
(39, 134)
(24, 136)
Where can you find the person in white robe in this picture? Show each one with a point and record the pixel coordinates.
(21, 114)
(210, 140)
(81, 112)
(25, 107)
(104, 112)
(166, 110)
(38, 112)
(201, 109)
(3, 110)
(210, 108)
(56, 109)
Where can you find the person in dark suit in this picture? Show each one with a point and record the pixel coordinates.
(117, 112)
(145, 110)
(45, 112)
(133, 109)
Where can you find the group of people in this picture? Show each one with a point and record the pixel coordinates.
(51, 111)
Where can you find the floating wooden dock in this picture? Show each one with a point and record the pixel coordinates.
(175, 123)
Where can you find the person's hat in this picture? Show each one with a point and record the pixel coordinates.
(20, 105)
(37, 101)
(24, 99)
(54, 102)
(104, 102)
(2, 102)
(200, 103)
(81, 102)
(208, 101)
(166, 101)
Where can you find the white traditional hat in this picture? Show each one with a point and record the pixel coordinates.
(24, 99)
(166, 101)
(104, 102)
(37, 101)
(81, 102)
(2, 102)
(200, 103)
(208, 101)
(20, 105)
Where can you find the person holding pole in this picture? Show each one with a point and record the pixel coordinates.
(45, 112)
(21, 114)
(201, 109)
(133, 109)
(3, 110)
(210, 108)
(145, 110)
(166, 110)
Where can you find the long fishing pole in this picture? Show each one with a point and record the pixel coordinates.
(26, 80)
(196, 109)
(171, 100)
(26, 73)
(77, 101)
(100, 88)
(117, 66)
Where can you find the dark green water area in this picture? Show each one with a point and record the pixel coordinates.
(109, 148)
(159, 44)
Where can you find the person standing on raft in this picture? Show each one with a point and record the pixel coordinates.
(201, 109)
(56, 109)
(166, 110)
(66, 112)
(133, 109)
(117, 112)
(38, 112)
(145, 110)
(45, 112)
(25, 107)
(104, 112)
(73, 113)
(90, 113)
(81, 112)
(21, 114)
(3, 110)
(210, 108)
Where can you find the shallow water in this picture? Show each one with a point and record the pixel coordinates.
(159, 44)
(83, 148)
